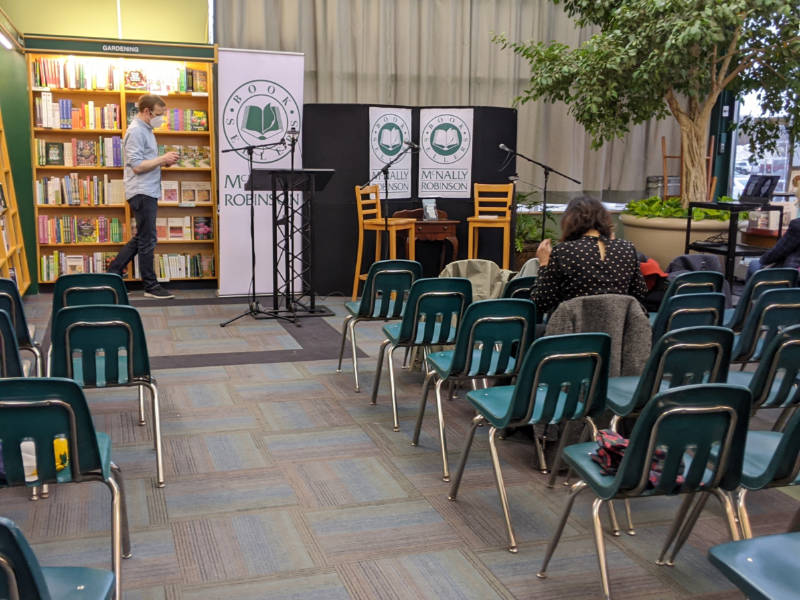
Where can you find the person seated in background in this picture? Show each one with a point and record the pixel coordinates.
(588, 261)
(785, 253)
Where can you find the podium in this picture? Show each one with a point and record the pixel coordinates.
(291, 223)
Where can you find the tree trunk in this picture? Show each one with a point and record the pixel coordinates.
(694, 180)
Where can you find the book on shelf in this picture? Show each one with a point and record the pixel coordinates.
(72, 73)
(162, 230)
(71, 229)
(74, 263)
(54, 152)
(169, 191)
(87, 230)
(135, 79)
(177, 265)
(3, 227)
(175, 228)
(2, 197)
(202, 228)
(203, 192)
(188, 192)
(55, 264)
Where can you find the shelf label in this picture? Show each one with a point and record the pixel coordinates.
(200, 94)
(186, 204)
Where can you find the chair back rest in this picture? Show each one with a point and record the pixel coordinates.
(368, 203)
(434, 310)
(11, 302)
(20, 574)
(493, 199)
(493, 338)
(562, 378)
(784, 467)
(689, 310)
(695, 282)
(99, 346)
(387, 287)
(519, 287)
(46, 430)
(10, 361)
(77, 289)
(775, 383)
(761, 281)
(686, 439)
(690, 355)
(773, 311)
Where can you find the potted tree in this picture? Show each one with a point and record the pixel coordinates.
(673, 57)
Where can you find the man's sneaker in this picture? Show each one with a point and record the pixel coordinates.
(158, 292)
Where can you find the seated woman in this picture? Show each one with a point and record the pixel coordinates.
(589, 261)
(786, 253)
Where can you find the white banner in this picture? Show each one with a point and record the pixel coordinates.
(260, 98)
(445, 161)
(389, 130)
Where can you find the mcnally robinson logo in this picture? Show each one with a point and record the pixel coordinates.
(387, 136)
(446, 139)
(260, 112)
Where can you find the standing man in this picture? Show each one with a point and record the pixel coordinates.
(142, 182)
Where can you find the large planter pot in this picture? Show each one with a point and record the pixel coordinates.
(664, 239)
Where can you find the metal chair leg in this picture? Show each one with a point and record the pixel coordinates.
(680, 516)
(686, 528)
(501, 489)
(730, 513)
(353, 347)
(576, 489)
(395, 424)
(156, 432)
(540, 453)
(421, 410)
(615, 530)
(346, 322)
(601, 546)
(744, 518)
(411, 352)
(631, 529)
(141, 406)
(116, 535)
(442, 437)
(557, 462)
(378, 369)
(477, 420)
(126, 537)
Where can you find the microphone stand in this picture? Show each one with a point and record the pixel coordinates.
(385, 171)
(253, 306)
(547, 170)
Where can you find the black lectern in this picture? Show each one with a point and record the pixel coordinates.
(286, 213)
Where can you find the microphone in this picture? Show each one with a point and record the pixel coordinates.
(411, 145)
(293, 133)
(505, 148)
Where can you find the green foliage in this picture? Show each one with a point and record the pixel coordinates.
(652, 57)
(529, 225)
(655, 207)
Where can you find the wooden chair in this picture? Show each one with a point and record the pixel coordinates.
(492, 209)
(370, 218)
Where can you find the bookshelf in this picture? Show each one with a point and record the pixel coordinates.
(83, 93)
(13, 261)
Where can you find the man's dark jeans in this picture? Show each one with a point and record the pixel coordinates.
(144, 210)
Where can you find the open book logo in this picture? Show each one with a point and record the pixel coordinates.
(259, 112)
(446, 138)
(390, 139)
(262, 120)
(388, 131)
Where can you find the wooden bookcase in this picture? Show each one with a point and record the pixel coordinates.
(13, 261)
(91, 87)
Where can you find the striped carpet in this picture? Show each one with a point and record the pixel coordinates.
(283, 483)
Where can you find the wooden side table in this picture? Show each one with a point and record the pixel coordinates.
(442, 230)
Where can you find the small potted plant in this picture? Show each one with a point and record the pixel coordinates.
(528, 231)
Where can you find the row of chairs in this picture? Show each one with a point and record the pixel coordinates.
(562, 379)
(97, 341)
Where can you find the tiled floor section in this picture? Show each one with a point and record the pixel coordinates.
(283, 483)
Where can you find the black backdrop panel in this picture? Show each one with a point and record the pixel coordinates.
(336, 136)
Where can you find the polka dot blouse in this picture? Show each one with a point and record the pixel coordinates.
(576, 269)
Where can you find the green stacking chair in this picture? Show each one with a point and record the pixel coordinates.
(773, 311)
(764, 568)
(776, 381)
(10, 361)
(104, 345)
(691, 282)
(492, 339)
(21, 576)
(688, 310)
(519, 287)
(11, 302)
(688, 439)
(77, 289)
(383, 299)
(431, 317)
(37, 411)
(760, 282)
(562, 379)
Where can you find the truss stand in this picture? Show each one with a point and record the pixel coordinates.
(547, 170)
(384, 170)
(253, 306)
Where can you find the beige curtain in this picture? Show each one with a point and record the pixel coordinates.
(439, 52)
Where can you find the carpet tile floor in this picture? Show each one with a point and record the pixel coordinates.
(284, 483)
